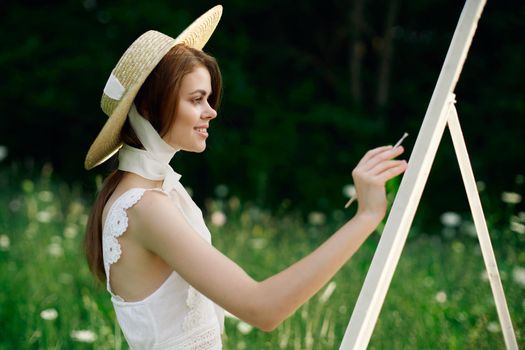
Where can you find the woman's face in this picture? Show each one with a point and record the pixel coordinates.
(193, 115)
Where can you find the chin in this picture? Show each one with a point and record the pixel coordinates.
(197, 149)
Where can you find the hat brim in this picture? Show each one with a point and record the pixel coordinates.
(108, 141)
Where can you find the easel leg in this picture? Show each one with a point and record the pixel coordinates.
(481, 229)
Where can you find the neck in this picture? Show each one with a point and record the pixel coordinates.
(131, 179)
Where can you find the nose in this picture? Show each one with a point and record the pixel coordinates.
(210, 113)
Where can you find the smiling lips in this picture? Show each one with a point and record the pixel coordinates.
(202, 130)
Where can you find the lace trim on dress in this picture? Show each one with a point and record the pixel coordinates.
(197, 313)
(205, 337)
(116, 224)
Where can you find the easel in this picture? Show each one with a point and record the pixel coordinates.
(441, 112)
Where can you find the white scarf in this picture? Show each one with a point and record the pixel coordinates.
(153, 163)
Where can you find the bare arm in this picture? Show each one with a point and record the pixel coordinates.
(264, 304)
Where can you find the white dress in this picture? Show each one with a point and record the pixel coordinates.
(175, 316)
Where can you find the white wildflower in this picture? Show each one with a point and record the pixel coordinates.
(84, 336)
(518, 275)
(244, 327)
(218, 218)
(316, 218)
(4, 242)
(481, 186)
(49, 314)
(349, 191)
(45, 196)
(441, 297)
(76, 208)
(328, 291)
(55, 249)
(258, 243)
(493, 327)
(517, 227)
(450, 219)
(43, 216)
(70, 231)
(511, 197)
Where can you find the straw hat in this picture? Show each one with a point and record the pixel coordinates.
(130, 73)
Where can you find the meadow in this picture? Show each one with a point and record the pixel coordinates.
(439, 297)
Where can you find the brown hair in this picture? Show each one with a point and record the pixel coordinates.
(157, 101)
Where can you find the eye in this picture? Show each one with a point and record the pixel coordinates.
(197, 100)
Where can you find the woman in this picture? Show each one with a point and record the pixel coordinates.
(147, 239)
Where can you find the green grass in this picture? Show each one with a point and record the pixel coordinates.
(438, 298)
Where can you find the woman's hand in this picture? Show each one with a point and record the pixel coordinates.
(370, 175)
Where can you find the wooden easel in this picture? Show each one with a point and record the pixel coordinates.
(441, 112)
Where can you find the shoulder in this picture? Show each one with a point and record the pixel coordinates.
(154, 212)
(124, 201)
(148, 202)
(159, 225)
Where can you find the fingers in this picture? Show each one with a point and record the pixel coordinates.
(384, 166)
(368, 155)
(378, 165)
(383, 156)
(392, 172)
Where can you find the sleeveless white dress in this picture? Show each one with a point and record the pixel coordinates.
(176, 315)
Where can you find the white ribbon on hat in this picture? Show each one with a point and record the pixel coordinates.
(153, 163)
(114, 88)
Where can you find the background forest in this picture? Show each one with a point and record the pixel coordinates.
(308, 87)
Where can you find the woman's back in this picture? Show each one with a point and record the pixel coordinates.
(138, 272)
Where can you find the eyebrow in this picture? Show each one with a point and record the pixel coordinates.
(198, 91)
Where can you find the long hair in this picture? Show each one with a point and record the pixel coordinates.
(156, 101)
